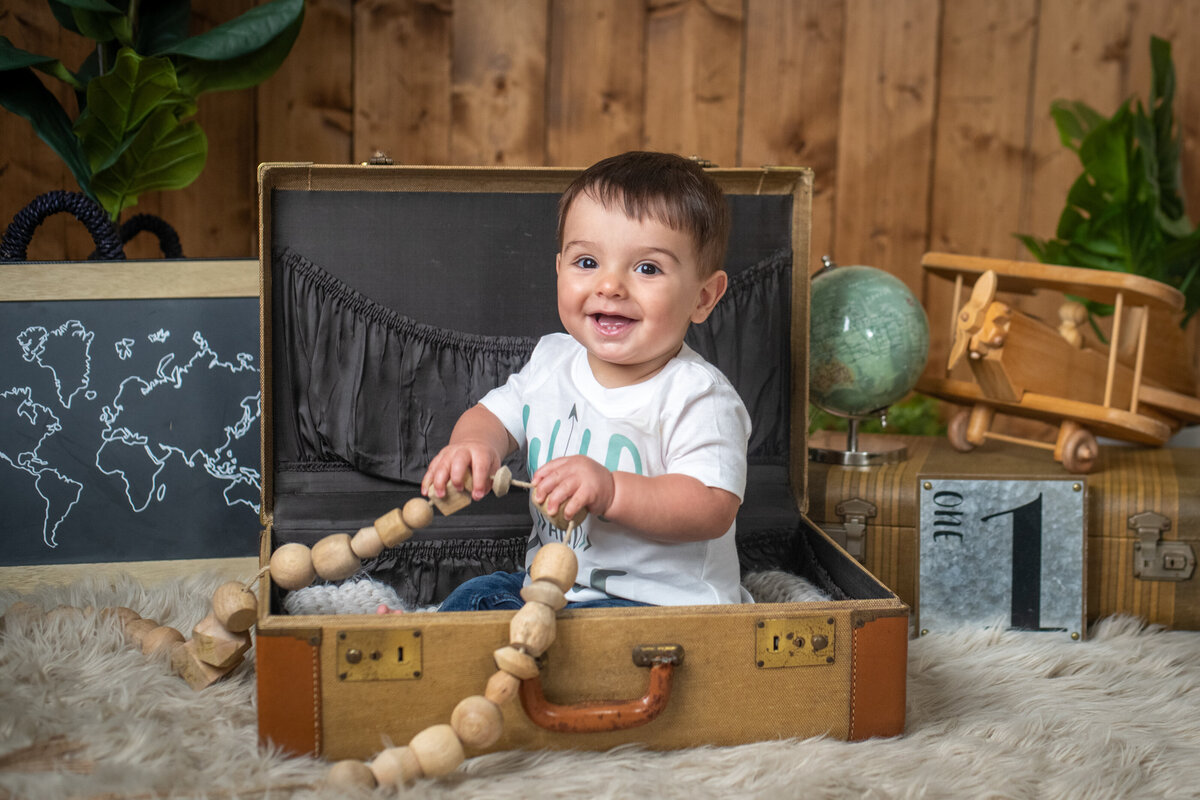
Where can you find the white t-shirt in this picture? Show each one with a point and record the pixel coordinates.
(687, 419)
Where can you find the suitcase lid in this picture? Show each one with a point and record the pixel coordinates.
(462, 258)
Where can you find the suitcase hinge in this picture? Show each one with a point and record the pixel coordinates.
(1154, 559)
(851, 534)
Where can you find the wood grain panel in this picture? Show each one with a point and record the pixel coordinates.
(889, 86)
(499, 82)
(595, 99)
(693, 64)
(402, 80)
(791, 97)
(304, 109)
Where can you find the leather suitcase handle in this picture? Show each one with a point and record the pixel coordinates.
(597, 716)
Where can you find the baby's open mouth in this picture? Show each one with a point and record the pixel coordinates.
(611, 323)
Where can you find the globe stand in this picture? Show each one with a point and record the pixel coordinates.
(852, 456)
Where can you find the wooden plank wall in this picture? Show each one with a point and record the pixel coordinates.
(927, 121)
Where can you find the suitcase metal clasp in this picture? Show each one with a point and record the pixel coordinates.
(851, 534)
(1154, 559)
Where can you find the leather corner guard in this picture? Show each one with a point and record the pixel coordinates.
(879, 675)
(288, 671)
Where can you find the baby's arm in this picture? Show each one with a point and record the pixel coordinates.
(671, 508)
(478, 445)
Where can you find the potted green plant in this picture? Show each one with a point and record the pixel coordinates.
(136, 94)
(1126, 210)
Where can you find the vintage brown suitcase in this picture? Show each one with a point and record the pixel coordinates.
(395, 269)
(1141, 511)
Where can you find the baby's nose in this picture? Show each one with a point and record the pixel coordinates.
(610, 283)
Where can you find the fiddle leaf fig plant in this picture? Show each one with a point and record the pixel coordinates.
(1126, 210)
(137, 92)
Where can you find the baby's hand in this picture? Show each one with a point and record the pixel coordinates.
(573, 483)
(453, 464)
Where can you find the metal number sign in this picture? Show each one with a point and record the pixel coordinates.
(1003, 552)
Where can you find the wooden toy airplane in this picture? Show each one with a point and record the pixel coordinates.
(1140, 389)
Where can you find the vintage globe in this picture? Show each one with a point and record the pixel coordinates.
(868, 340)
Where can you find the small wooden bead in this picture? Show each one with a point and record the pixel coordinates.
(350, 774)
(533, 628)
(137, 629)
(217, 646)
(235, 607)
(502, 481)
(514, 662)
(477, 721)
(292, 566)
(438, 750)
(418, 513)
(367, 543)
(395, 766)
(545, 592)
(502, 687)
(455, 499)
(64, 612)
(161, 638)
(556, 563)
(334, 559)
(392, 528)
(186, 662)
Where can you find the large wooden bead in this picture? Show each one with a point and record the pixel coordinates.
(477, 721)
(217, 645)
(392, 528)
(292, 566)
(502, 687)
(367, 543)
(122, 614)
(22, 613)
(235, 607)
(350, 774)
(418, 513)
(334, 559)
(533, 628)
(556, 563)
(136, 630)
(395, 766)
(545, 592)
(559, 519)
(161, 638)
(438, 750)
(514, 662)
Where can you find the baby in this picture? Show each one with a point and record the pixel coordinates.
(618, 417)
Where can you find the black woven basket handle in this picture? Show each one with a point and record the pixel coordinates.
(20, 231)
(168, 239)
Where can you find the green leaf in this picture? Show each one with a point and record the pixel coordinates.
(13, 57)
(23, 94)
(250, 32)
(1074, 120)
(119, 101)
(197, 75)
(164, 154)
(95, 19)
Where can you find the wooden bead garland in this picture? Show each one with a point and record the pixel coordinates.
(477, 721)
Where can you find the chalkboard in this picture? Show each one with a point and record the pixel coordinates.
(129, 426)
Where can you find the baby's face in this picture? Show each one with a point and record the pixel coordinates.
(628, 289)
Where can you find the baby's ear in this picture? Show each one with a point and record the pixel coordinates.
(711, 291)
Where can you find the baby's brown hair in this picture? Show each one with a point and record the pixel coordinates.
(667, 188)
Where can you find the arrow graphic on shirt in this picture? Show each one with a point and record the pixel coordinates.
(572, 416)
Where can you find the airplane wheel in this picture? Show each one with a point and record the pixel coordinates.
(1080, 451)
(956, 431)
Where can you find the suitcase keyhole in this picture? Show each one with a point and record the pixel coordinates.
(400, 655)
(776, 645)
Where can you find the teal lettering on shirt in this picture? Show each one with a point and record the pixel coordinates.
(618, 444)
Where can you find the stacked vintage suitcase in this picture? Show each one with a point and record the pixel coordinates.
(392, 299)
(1140, 509)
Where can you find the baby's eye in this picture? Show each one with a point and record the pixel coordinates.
(586, 262)
(646, 268)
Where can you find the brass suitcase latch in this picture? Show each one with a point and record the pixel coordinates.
(379, 654)
(1154, 559)
(851, 533)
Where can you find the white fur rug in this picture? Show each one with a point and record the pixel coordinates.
(990, 714)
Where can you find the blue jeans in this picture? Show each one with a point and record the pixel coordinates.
(501, 590)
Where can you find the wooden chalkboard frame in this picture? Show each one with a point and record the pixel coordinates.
(126, 280)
